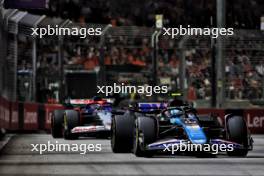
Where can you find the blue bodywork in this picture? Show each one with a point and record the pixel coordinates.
(95, 118)
(190, 124)
(195, 133)
(148, 107)
(90, 108)
(193, 130)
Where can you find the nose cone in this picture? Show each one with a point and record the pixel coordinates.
(196, 134)
(199, 141)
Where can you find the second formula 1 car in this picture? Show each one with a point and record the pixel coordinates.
(90, 117)
(150, 128)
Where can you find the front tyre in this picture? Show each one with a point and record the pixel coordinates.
(122, 133)
(237, 132)
(57, 123)
(71, 120)
(145, 133)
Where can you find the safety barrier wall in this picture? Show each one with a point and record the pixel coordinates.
(48, 113)
(253, 117)
(14, 117)
(21, 116)
(30, 116)
(18, 116)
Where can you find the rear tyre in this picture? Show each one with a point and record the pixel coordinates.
(145, 133)
(122, 128)
(71, 120)
(57, 123)
(237, 132)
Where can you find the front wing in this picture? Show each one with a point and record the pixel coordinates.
(90, 129)
(164, 144)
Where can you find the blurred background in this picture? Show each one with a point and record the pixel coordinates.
(226, 72)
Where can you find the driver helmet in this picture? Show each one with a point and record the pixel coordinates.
(176, 102)
(175, 112)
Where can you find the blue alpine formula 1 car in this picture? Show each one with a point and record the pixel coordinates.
(150, 128)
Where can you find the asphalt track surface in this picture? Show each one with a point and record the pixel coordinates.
(16, 158)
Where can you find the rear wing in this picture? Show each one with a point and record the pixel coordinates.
(89, 101)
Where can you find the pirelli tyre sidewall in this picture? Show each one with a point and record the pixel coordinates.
(122, 128)
(71, 120)
(145, 132)
(237, 132)
(57, 123)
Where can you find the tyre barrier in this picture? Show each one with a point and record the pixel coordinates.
(21, 116)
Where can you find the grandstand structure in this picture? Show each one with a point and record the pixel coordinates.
(34, 69)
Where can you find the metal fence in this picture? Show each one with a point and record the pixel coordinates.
(31, 66)
(242, 68)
